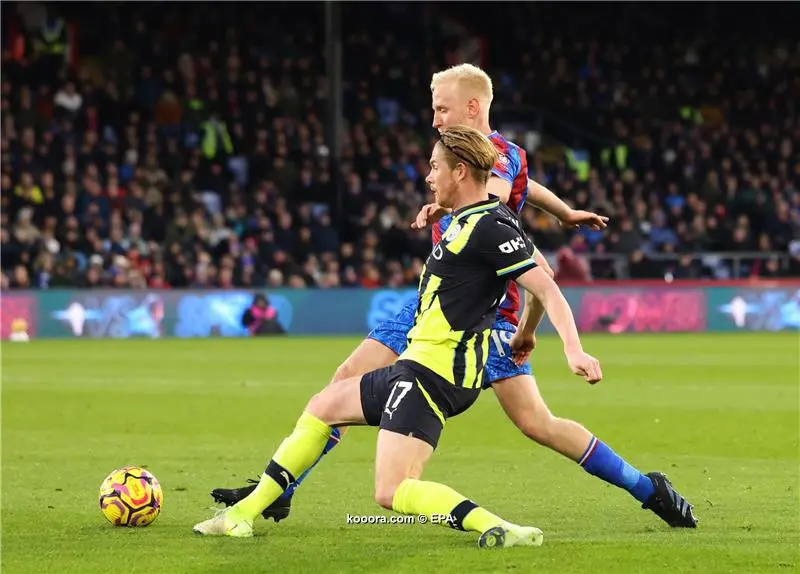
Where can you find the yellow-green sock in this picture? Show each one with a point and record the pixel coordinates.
(431, 498)
(297, 453)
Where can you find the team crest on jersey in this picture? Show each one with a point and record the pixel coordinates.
(503, 160)
(452, 231)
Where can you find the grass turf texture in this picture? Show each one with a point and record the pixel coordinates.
(717, 413)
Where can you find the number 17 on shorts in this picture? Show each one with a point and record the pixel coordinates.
(399, 390)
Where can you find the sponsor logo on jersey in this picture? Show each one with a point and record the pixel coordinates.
(512, 245)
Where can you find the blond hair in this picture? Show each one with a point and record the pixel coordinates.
(467, 145)
(470, 78)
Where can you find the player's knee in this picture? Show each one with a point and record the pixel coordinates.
(539, 427)
(345, 371)
(322, 407)
(384, 494)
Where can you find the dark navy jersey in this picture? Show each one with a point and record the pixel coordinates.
(463, 282)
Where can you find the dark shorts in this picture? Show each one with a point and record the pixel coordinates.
(409, 399)
(393, 333)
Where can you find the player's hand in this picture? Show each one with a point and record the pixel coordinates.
(586, 366)
(429, 214)
(521, 347)
(578, 217)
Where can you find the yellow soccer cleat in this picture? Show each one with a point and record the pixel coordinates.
(509, 535)
(228, 522)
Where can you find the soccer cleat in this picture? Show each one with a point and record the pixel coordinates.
(668, 505)
(278, 510)
(509, 535)
(228, 522)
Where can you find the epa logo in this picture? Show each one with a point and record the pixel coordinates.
(512, 245)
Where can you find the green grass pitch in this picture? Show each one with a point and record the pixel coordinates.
(717, 413)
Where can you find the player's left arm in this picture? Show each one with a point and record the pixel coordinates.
(541, 197)
(524, 339)
(500, 243)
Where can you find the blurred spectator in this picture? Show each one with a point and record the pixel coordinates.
(68, 101)
(571, 267)
(261, 318)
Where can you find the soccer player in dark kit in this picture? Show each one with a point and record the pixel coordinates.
(441, 373)
(462, 95)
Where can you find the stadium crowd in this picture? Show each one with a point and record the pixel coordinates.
(188, 148)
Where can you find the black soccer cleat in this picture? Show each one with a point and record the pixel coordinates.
(668, 505)
(278, 510)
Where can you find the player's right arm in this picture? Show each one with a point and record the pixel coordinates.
(538, 196)
(541, 286)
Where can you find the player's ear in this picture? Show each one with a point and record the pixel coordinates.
(462, 171)
(473, 107)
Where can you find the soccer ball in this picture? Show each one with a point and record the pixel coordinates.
(131, 496)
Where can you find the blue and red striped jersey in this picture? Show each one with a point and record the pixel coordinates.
(512, 166)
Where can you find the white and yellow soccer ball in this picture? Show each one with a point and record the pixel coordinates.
(131, 496)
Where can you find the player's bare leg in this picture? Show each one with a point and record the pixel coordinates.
(397, 458)
(399, 464)
(368, 356)
(338, 404)
(520, 398)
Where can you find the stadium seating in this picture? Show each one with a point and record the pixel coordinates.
(189, 147)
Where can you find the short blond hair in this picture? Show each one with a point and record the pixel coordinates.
(471, 78)
(467, 145)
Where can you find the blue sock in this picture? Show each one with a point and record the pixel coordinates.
(332, 442)
(604, 463)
